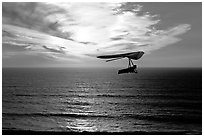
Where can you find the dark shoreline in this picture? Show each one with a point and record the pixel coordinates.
(28, 132)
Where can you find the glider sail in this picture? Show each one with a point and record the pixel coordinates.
(131, 55)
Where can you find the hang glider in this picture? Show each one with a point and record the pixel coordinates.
(132, 55)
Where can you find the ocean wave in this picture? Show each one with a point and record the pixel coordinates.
(158, 118)
(48, 95)
(56, 115)
(78, 103)
(166, 118)
(152, 96)
(108, 95)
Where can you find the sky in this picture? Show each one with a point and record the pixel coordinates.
(73, 34)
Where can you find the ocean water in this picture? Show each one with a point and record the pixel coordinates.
(99, 100)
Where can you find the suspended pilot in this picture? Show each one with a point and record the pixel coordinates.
(132, 69)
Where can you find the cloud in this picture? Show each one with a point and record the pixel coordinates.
(75, 30)
(54, 50)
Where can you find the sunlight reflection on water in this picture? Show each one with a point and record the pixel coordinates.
(80, 125)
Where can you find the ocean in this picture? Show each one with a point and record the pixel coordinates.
(99, 101)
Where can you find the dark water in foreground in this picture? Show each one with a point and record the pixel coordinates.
(99, 100)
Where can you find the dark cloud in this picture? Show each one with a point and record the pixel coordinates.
(7, 34)
(54, 50)
(34, 16)
(92, 43)
(116, 38)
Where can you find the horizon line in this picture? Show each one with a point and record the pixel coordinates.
(97, 67)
